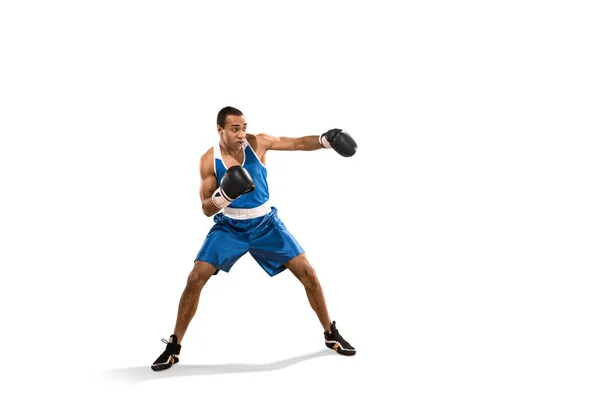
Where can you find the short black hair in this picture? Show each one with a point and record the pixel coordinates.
(225, 111)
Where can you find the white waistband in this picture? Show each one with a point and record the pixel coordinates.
(247, 213)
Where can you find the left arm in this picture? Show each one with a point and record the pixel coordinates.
(306, 143)
(336, 139)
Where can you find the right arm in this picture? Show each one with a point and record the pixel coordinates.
(208, 184)
(235, 183)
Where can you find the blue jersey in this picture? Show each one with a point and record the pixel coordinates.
(265, 237)
(257, 171)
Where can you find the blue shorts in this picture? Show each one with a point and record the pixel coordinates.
(266, 238)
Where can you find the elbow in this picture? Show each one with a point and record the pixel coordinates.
(207, 206)
(209, 209)
(206, 211)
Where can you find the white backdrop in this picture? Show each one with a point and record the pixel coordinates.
(458, 249)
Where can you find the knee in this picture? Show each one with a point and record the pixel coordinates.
(308, 276)
(200, 274)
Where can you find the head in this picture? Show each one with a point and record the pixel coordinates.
(231, 125)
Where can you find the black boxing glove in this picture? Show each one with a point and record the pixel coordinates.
(236, 182)
(340, 141)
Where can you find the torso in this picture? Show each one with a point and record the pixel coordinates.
(253, 163)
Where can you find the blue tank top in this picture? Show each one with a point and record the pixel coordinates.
(257, 171)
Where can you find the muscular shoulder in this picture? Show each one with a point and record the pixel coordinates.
(207, 163)
(261, 141)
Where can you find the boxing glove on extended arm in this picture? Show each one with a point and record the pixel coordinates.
(340, 141)
(236, 182)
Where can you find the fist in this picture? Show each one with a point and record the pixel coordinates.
(236, 182)
(340, 141)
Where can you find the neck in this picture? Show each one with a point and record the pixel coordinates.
(230, 152)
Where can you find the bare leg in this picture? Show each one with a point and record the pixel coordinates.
(188, 304)
(302, 270)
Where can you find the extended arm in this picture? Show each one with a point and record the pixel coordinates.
(336, 139)
(307, 143)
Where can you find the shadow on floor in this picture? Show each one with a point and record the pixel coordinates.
(135, 375)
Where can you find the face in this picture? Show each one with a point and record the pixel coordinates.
(234, 132)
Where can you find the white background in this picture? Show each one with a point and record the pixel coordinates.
(458, 249)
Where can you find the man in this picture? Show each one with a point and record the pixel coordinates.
(234, 189)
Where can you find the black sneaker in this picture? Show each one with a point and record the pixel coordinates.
(335, 341)
(169, 357)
